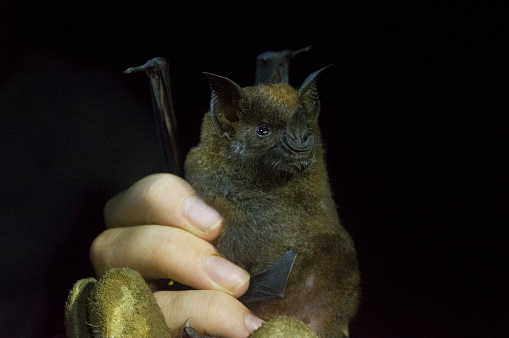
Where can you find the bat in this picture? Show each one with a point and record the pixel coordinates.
(157, 70)
(260, 163)
(272, 67)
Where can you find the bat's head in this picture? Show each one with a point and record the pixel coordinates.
(269, 127)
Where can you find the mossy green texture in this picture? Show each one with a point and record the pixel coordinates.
(119, 304)
(284, 327)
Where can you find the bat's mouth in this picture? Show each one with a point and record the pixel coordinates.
(295, 163)
(287, 160)
(292, 165)
(299, 159)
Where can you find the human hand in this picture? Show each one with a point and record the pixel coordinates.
(160, 228)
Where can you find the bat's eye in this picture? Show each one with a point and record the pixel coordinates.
(262, 131)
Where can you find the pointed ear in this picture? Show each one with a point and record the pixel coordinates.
(308, 92)
(227, 100)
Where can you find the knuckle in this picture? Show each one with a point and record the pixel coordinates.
(157, 186)
(169, 253)
(169, 245)
(182, 255)
(216, 303)
(224, 309)
(99, 248)
(155, 193)
(221, 307)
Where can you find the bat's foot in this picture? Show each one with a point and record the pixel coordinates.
(148, 66)
(187, 331)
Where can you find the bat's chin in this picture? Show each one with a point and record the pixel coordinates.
(299, 166)
(293, 167)
(297, 162)
(282, 163)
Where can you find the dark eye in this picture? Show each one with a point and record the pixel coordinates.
(262, 131)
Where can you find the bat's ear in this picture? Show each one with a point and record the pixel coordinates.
(308, 92)
(227, 101)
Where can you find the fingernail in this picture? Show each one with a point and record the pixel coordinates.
(253, 322)
(200, 214)
(226, 274)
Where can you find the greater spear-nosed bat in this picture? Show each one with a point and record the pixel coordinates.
(260, 163)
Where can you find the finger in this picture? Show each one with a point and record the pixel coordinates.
(212, 313)
(163, 199)
(159, 252)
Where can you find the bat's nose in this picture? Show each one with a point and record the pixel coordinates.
(298, 142)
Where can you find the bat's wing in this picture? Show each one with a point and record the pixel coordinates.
(272, 67)
(271, 282)
(157, 70)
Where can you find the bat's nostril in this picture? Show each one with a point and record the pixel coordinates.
(298, 143)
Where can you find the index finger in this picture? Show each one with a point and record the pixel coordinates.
(163, 199)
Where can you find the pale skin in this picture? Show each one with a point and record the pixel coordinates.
(160, 228)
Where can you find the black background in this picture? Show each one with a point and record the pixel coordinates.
(413, 116)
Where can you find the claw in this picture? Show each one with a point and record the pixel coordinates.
(187, 331)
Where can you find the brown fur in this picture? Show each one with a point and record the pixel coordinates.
(268, 206)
